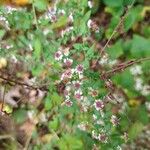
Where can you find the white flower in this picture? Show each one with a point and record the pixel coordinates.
(68, 62)
(79, 69)
(68, 103)
(78, 95)
(104, 60)
(83, 126)
(90, 4)
(102, 137)
(94, 135)
(65, 51)
(114, 120)
(67, 74)
(136, 70)
(94, 117)
(89, 23)
(58, 55)
(145, 90)
(61, 12)
(138, 84)
(77, 84)
(99, 105)
(100, 122)
(70, 17)
(119, 148)
(147, 104)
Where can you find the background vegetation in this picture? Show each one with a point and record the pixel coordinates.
(75, 74)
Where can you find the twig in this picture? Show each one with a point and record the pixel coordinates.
(3, 102)
(34, 13)
(124, 66)
(115, 30)
(23, 84)
(2, 137)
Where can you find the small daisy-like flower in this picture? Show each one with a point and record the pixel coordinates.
(94, 135)
(104, 60)
(92, 25)
(78, 94)
(90, 4)
(58, 55)
(68, 103)
(79, 69)
(146, 90)
(93, 92)
(77, 84)
(68, 62)
(102, 137)
(125, 136)
(136, 70)
(83, 126)
(114, 120)
(138, 84)
(99, 105)
(65, 51)
(61, 12)
(71, 18)
(67, 74)
(100, 122)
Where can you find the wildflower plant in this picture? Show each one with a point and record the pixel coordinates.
(60, 48)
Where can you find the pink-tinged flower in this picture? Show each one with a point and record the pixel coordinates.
(78, 95)
(67, 74)
(79, 69)
(99, 105)
(102, 137)
(68, 62)
(58, 55)
(77, 84)
(68, 103)
(114, 120)
(93, 92)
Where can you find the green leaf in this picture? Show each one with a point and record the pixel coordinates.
(133, 17)
(2, 33)
(20, 115)
(53, 125)
(116, 50)
(125, 79)
(41, 5)
(140, 47)
(135, 130)
(56, 99)
(70, 142)
(113, 3)
(37, 48)
(48, 104)
(61, 22)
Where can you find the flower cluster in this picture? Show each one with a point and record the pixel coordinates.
(144, 89)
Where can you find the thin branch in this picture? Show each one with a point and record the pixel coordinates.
(10, 81)
(2, 137)
(3, 102)
(116, 29)
(123, 66)
(34, 13)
